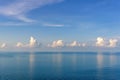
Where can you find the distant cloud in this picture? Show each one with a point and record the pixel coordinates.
(106, 43)
(19, 44)
(61, 43)
(12, 24)
(32, 43)
(19, 8)
(100, 42)
(83, 44)
(113, 42)
(56, 44)
(3, 45)
(53, 25)
(74, 44)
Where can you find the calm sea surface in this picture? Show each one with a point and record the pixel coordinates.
(59, 66)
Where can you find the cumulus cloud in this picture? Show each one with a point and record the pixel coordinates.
(56, 44)
(61, 43)
(74, 44)
(100, 42)
(108, 43)
(19, 8)
(33, 42)
(113, 42)
(3, 45)
(19, 44)
(83, 44)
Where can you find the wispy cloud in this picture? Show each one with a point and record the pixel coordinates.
(12, 23)
(19, 8)
(53, 25)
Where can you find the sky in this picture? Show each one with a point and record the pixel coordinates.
(59, 25)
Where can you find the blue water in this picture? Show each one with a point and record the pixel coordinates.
(59, 66)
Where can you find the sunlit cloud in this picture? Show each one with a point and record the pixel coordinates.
(106, 43)
(84, 44)
(57, 44)
(113, 42)
(74, 44)
(4, 45)
(32, 43)
(100, 42)
(19, 44)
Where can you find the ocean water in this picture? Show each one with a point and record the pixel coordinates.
(59, 66)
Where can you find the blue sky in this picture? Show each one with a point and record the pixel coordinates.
(50, 21)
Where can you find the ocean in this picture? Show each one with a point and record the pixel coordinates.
(59, 66)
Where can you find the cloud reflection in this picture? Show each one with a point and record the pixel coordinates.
(57, 62)
(112, 60)
(57, 59)
(74, 61)
(31, 60)
(100, 60)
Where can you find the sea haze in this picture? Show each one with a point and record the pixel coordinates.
(59, 66)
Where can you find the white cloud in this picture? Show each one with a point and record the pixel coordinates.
(33, 42)
(19, 8)
(19, 44)
(113, 42)
(108, 43)
(60, 43)
(74, 44)
(3, 45)
(100, 42)
(55, 44)
(83, 44)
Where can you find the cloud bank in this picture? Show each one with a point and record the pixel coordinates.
(61, 44)
(34, 44)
